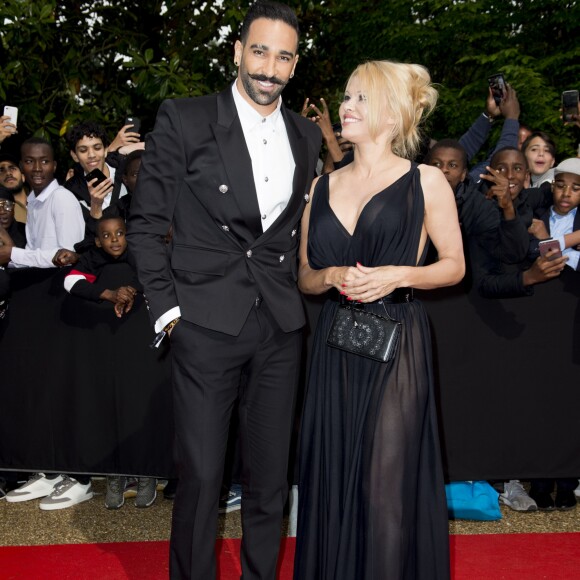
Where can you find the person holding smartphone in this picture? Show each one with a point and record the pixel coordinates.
(559, 225)
(97, 178)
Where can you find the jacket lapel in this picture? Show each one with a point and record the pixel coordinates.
(237, 162)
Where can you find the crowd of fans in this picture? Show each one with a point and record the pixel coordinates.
(509, 205)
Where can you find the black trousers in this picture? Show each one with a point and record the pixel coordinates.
(207, 367)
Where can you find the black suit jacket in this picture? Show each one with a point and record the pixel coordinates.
(196, 175)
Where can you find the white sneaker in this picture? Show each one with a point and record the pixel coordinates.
(515, 496)
(37, 486)
(67, 493)
(577, 491)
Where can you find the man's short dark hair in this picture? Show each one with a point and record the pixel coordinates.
(137, 154)
(38, 141)
(448, 144)
(86, 129)
(494, 157)
(271, 11)
(108, 216)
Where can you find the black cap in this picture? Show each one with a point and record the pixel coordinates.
(5, 193)
(8, 157)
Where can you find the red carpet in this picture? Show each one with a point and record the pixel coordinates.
(477, 557)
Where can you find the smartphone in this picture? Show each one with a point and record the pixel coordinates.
(546, 245)
(498, 87)
(95, 174)
(136, 128)
(569, 106)
(11, 112)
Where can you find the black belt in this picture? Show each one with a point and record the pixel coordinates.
(398, 296)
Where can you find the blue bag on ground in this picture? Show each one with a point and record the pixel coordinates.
(472, 500)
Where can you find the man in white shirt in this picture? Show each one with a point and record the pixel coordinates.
(55, 220)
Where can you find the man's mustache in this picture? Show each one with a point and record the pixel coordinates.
(274, 80)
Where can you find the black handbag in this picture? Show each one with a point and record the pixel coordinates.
(364, 333)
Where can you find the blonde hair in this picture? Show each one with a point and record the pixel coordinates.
(398, 90)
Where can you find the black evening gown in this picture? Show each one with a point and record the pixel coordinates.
(371, 493)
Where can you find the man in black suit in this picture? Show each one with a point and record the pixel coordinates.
(231, 174)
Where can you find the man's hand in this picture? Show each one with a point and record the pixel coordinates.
(98, 194)
(575, 118)
(510, 106)
(501, 191)
(7, 129)
(491, 108)
(544, 269)
(538, 230)
(125, 136)
(122, 299)
(64, 257)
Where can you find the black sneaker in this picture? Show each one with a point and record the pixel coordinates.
(565, 500)
(115, 498)
(543, 500)
(146, 492)
(170, 489)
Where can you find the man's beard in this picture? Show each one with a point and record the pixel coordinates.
(16, 189)
(259, 97)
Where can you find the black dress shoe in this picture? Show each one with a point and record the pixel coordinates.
(543, 500)
(565, 500)
(169, 489)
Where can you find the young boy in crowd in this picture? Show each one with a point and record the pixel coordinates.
(89, 147)
(84, 281)
(111, 248)
(481, 223)
(562, 220)
(498, 277)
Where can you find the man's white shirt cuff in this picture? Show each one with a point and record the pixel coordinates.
(166, 318)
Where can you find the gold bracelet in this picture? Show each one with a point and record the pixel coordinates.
(169, 326)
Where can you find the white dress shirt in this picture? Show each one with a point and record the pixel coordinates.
(272, 160)
(54, 221)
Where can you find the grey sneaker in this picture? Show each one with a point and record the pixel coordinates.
(146, 492)
(67, 493)
(515, 497)
(115, 498)
(36, 487)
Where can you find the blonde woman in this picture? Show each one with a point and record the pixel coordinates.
(372, 501)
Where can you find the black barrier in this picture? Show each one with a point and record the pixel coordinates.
(81, 390)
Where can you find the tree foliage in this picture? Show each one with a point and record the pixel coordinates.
(62, 61)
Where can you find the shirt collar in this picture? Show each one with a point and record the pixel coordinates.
(249, 117)
(556, 216)
(45, 193)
